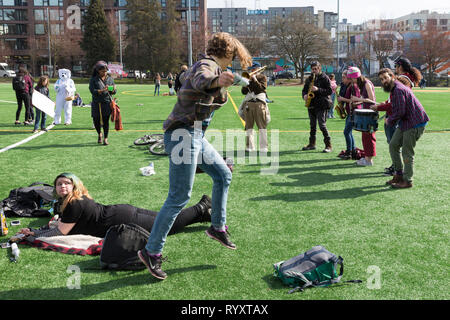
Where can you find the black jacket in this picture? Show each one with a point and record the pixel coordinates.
(322, 99)
(95, 84)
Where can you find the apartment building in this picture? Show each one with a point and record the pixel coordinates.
(24, 25)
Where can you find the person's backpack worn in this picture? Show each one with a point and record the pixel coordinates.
(316, 267)
(120, 247)
(36, 200)
(18, 83)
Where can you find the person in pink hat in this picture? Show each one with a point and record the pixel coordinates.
(367, 99)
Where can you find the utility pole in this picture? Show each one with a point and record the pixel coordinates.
(189, 34)
(50, 67)
(120, 39)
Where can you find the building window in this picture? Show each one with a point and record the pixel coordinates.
(56, 15)
(52, 3)
(14, 15)
(39, 29)
(194, 3)
(39, 15)
(117, 3)
(16, 44)
(443, 22)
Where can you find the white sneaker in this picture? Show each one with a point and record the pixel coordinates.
(363, 162)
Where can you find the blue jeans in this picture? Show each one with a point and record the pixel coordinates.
(187, 147)
(331, 110)
(38, 118)
(157, 86)
(349, 140)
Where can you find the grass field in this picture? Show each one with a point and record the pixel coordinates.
(312, 198)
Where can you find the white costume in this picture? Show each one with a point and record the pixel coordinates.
(64, 87)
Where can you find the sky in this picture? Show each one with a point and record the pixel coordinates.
(356, 11)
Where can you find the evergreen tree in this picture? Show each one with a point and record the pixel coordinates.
(144, 35)
(172, 45)
(98, 42)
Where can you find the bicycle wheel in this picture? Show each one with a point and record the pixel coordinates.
(142, 141)
(149, 139)
(158, 149)
(157, 137)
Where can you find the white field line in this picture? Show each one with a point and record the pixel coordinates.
(26, 140)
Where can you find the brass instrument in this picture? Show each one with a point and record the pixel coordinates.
(248, 75)
(311, 94)
(341, 110)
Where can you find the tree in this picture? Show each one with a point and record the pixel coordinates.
(144, 35)
(254, 40)
(298, 39)
(97, 42)
(358, 55)
(171, 29)
(433, 49)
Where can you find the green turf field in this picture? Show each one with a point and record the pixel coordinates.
(311, 199)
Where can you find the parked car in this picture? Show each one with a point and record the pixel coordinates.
(285, 75)
(136, 74)
(5, 71)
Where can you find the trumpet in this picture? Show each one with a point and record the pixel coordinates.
(248, 75)
(311, 94)
(341, 110)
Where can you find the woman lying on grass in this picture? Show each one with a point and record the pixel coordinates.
(80, 214)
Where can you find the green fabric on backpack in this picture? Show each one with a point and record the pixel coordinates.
(315, 268)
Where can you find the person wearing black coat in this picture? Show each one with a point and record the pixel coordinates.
(177, 79)
(319, 106)
(99, 86)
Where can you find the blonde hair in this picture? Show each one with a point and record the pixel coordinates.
(224, 45)
(79, 190)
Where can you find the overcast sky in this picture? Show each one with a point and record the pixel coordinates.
(356, 11)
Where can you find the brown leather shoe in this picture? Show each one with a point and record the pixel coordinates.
(396, 179)
(402, 185)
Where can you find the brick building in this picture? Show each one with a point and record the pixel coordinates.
(24, 25)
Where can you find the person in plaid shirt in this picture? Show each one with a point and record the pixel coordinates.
(202, 92)
(412, 118)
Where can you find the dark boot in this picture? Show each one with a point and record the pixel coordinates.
(354, 155)
(311, 145)
(328, 147)
(347, 155)
(396, 179)
(402, 185)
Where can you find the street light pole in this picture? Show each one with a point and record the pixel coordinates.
(50, 67)
(337, 37)
(189, 34)
(120, 39)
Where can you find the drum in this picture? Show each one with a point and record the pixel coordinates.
(365, 120)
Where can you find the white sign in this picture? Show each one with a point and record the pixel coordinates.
(43, 103)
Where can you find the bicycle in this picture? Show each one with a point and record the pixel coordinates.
(156, 142)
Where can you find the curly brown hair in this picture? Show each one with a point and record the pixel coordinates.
(224, 45)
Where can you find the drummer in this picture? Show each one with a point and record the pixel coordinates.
(367, 98)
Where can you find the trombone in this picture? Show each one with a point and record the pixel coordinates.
(248, 75)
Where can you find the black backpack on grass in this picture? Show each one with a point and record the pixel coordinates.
(120, 247)
(33, 201)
